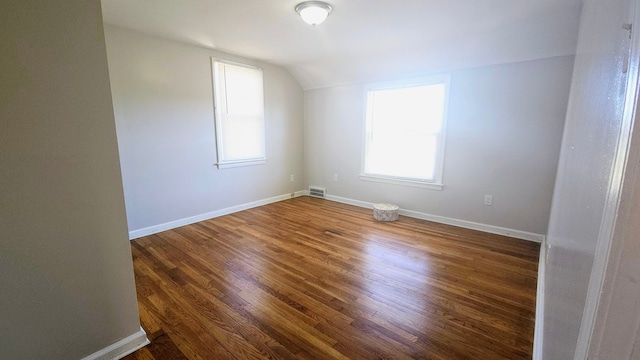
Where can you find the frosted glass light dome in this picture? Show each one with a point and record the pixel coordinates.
(313, 12)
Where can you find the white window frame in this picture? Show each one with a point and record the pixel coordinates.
(221, 163)
(437, 182)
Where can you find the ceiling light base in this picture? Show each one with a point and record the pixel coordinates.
(314, 12)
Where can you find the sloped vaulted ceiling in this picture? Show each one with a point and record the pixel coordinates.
(363, 40)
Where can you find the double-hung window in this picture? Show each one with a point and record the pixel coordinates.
(239, 114)
(405, 132)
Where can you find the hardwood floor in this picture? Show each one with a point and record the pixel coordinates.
(309, 278)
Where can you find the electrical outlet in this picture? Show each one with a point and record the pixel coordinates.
(335, 177)
(292, 178)
(488, 200)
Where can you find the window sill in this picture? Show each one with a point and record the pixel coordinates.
(232, 164)
(402, 182)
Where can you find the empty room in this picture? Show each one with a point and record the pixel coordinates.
(319, 180)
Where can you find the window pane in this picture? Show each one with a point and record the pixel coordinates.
(243, 90)
(240, 130)
(411, 109)
(414, 157)
(243, 138)
(403, 131)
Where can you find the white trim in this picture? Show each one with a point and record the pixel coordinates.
(353, 202)
(134, 234)
(425, 80)
(301, 193)
(236, 63)
(538, 333)
(221, 112)
(606, 236)
(122, 348)
(518, 234)
(401, 182)
(239, 163)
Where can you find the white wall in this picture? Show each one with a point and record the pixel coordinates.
(503, 137)
(588, 181)
(162, 94)
(616, 332)
(66, 276)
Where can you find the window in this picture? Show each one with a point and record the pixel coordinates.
(404, 132)
(239, 114)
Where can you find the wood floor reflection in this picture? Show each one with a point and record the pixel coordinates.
(309, 278)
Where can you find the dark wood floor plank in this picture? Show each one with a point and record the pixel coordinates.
(312, 279)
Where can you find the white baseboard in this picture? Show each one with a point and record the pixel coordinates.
(518, 234)
(134, 234)
(415, 214)
(539, 327)
(121, 348)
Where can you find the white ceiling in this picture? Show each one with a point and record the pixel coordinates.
(362, 40)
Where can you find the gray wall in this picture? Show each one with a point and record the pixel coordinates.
(163, 103)
(503, 137)
(585, 185)
(66, 276)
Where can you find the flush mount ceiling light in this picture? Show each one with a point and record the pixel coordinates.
(313, 12)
